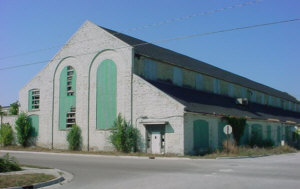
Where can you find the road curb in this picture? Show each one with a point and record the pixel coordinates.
(41, 184)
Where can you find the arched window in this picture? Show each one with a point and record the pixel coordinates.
(106, 94)
(67, 98)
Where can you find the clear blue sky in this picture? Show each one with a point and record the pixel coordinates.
(269, 55)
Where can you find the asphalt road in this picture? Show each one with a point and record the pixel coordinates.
(281, 171)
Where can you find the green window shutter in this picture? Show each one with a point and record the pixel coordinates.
(177, 76)
(201, 135)
(29, 100)
(34, 121)
(269, 132)
(106, 94)
(257, 131)
(199, 81)
(150, 69)
(245, 138)
(279, 134)
(65, 101)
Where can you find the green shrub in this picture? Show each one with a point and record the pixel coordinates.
(74, 138)
(124, 136)
(238, 126)
(8, 164)
(23, 128)
(6, 135)
(257, 141)
(14, 108)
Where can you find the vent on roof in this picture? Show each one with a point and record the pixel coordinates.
(242, 101)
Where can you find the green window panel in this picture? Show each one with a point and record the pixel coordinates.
(224, 88)
(66, 102)
(216, 86)
(237, 91)
(253, 96)
(298, 107)
(208, 84)
(177, 76)
(139, 66)
(106, 94)
(245, 138)
(266, 99)
(259, 97)
(269, 132)
(257, 131)
(34, 122)
(244, 92)
(270, 101)
(199, 82)
(201, 135)
(189, 79)
(279, 137)
(150, 69)
(262, 98)
(230, 90)
(164, 72)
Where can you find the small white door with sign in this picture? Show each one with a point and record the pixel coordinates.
(155, 142)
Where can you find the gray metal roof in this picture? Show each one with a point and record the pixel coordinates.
(207, 103)
(177, 59)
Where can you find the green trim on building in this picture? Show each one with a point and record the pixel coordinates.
(106, 94)
(30, 100)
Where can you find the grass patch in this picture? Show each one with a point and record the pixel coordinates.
(247, 151)
(23, 180)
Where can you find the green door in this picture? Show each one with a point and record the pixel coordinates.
(34, 121)
(201, 136)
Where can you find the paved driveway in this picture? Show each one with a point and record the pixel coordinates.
(282, 171)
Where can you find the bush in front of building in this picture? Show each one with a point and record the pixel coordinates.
(8, 164)
(124, 136)
(74, 138)
(257, 141)
(23, 128)
(14, 108)
(6, 134)
(238, 125)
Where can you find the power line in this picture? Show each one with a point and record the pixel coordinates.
(172, 20)
(167, 40)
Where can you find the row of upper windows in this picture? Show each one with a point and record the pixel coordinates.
(154, 70)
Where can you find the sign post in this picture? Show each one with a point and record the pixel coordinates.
(227, 130)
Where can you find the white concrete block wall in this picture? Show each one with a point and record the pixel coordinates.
(156, 105)
(80, 52)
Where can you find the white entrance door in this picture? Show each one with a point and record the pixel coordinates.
(156, 140)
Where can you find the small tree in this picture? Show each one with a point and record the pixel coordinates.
(23, 128)
(124, 136)
(74, 138)
(6, 135)
(238, 126)
(14, 108)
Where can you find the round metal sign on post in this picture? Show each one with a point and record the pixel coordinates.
(227, 129)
